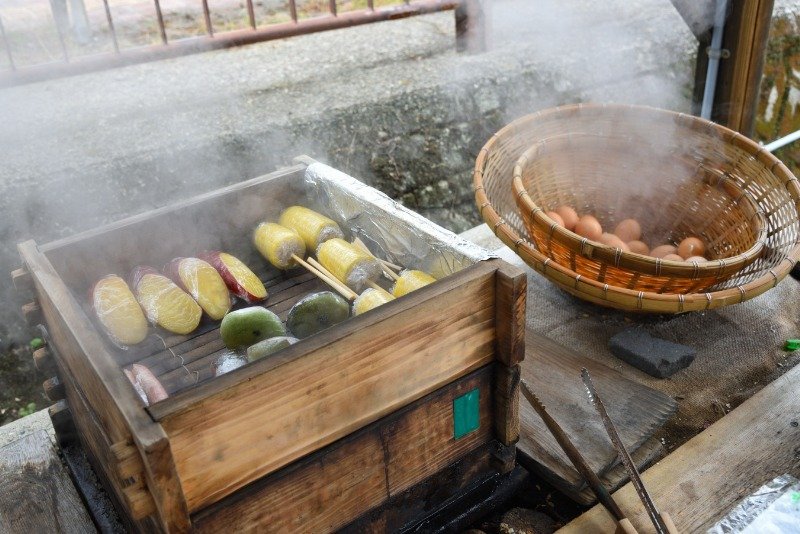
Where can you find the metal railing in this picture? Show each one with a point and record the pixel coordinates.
(469, 22)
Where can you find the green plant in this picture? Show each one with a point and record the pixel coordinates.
(27, 409)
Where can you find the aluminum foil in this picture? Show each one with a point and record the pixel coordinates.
(390, 230)
(774, 507)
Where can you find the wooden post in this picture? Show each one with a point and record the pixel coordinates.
(471, 26)
(745, 37)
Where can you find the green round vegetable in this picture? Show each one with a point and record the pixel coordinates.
(316, 312)
(248, 326)
(269, 346)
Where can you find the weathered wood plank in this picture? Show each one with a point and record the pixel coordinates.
(44, 362)
(553, 371)
(705, 477)
(403, 512)
(23, 283)
(420, 441)
(97, 445)
(739, 79)
(32, 312)
(512, 291)
(506, 403)
(326, 490)
(53, 389)
(339, 381)
(38, 495)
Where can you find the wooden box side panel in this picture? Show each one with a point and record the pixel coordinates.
(360, 472)
(108, 396)
(98, 449)
(350, 378)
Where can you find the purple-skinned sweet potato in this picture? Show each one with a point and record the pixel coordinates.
(203, 282)
(241, 281)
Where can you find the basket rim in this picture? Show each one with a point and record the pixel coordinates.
(632, 261)
(633, 300)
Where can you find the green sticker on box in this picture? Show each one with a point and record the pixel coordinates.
(466, 413)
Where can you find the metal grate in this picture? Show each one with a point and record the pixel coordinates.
(81, 48)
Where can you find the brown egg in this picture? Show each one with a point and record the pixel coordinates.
(663, 250)
(556, 217)
(698, 259)
(639, 247)
(691, 246)
(589, 227)
(613, 241)
(672, 257)
(628, 230)
(569, 216)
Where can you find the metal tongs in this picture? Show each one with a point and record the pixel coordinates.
(661, 521)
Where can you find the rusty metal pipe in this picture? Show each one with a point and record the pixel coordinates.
(204, 43)
(293, 9)
(207, 17)
(251, 14)
(160, 17)
(111, 26)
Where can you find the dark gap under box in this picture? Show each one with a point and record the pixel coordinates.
(336, 430)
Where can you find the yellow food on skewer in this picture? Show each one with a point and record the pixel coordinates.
(279, 244)
(313, 227)
(411, 280)
(370, 299)
(349, 264)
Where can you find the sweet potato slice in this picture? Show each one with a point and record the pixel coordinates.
(118, 311)
(203, 283)
(164, 303)
(237, 276)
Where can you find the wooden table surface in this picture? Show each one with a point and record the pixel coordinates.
(36, 492)
(702, 480)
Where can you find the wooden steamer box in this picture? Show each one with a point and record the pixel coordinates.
(369, 425)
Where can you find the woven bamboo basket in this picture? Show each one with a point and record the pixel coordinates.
(745, 165)
(600, 175)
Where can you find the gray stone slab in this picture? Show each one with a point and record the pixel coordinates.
(657, 357)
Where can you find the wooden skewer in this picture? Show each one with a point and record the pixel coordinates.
(351, 295)
(387, 266)
(671, 528)
(328, 278)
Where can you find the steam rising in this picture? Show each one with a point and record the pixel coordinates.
(84, 151)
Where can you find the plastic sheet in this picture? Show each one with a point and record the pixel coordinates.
(773, 508)
(116, 308)
(390, 230)
(164, 303)
(202, 281)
